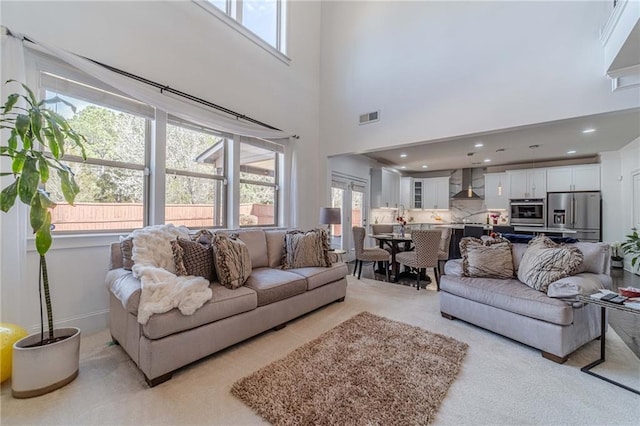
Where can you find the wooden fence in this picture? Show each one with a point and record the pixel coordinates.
(118, 216)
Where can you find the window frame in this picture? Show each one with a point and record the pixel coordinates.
(275, 184)
(174, 121)
(279, 51)
(119, 102)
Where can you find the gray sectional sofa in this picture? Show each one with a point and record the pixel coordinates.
(270, 297)
(509, 307)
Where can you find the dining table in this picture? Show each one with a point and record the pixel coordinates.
(393, 241)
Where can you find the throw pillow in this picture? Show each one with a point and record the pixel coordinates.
(232, 260)
(306, 249)
(488, 259)
(192, 258)
(126, 247)
(545, 262)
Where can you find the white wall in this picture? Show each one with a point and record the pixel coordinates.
(617, 192)
(178, 44)
(442, 69)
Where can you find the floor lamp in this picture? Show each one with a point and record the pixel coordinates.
(330, 216)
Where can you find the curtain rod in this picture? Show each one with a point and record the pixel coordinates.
(163, 87)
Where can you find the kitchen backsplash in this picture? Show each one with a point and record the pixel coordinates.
(458, 209)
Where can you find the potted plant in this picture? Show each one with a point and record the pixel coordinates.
(617, 259)
(36, 143)
(632, 246)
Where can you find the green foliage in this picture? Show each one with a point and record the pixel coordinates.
(632, 246)
(34, 129)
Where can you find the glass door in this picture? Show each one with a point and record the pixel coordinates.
(349, 194)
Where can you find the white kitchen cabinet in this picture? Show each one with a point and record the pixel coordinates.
(528, 183)
(584, 177)
(495, 198)
(406, 189)
(431, 193)
(385, 188)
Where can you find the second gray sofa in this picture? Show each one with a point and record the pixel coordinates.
(513, 309)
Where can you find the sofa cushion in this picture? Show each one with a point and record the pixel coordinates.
(275, 284)
(192, 258)
(509, 295)
(596, 257)
(545, 262)
(306, 249)
(319, 276)
(233, 263)
(256, 242)
(275, 247)
(126, 247)
(491, 258)
(224, 303)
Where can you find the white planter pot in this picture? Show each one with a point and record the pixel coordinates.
(41, 369)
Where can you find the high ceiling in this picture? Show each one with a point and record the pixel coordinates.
(554, 139)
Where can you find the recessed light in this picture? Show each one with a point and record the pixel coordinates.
(403, 155)
(424, 166)
(487, 160)
(573, 151)
(589, 130)
(479, 145)
(403, 167)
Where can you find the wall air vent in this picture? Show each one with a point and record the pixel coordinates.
(369, 117)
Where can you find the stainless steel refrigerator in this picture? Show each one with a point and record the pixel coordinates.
(577, 211)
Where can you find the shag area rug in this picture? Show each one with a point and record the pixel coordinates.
(367, 370)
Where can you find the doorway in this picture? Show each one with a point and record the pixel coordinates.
(349, 194)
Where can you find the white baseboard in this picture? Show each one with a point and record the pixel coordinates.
(88, 323)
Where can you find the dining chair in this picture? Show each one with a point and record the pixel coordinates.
(473, 231)
(373, 254)
(425, 255)
(443, 250)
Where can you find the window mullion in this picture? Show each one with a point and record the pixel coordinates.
(157, 165)
(278, 25)
(239, 10)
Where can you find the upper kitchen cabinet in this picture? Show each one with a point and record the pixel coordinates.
(406, 188)
(385, 188)
(585, 177)
(528, 183)
(496, 191)
(434, 193)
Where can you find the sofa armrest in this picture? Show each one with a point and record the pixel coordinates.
(453, 267)
(125, 287)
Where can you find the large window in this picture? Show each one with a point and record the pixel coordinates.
(258, 184)
(112, 179)
(263, 18)
(146, 167)
(195, 176)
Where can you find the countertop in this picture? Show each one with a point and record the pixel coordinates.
(516, 228)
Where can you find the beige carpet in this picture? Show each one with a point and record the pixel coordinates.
(501, 382)
(367, 370)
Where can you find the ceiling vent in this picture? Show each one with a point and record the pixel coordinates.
(370, 117)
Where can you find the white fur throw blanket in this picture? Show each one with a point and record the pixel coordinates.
(162, 290)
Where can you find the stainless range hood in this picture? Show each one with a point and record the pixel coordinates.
(467, 192)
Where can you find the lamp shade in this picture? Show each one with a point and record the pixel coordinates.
(330, 215)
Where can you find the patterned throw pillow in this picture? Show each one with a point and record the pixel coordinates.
(192, 258)
(232, 260)
(306, 249)
(491, 259)
(126, 247)
(545, 262)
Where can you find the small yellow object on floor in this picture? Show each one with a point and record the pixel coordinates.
(9, 334)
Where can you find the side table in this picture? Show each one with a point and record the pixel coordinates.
(604, 305)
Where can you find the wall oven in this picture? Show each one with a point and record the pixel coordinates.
(528, 212)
